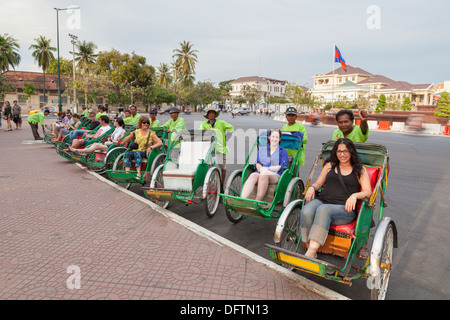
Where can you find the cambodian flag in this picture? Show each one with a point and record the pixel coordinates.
(338, 58)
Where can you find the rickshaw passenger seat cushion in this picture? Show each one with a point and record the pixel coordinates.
(99, 156)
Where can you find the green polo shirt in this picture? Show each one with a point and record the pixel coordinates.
(155, 123)
(220, 127)
(98, 115)
(301, 128)
(177, 125)
(37, 117)
(133, 120)
(356, 135)
(86, 113)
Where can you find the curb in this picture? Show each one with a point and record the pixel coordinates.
(221, 241)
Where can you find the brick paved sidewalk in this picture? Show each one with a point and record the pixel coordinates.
(56, 217)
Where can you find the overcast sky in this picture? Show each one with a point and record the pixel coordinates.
(282, 39)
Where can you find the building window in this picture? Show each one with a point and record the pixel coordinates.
(21, 98)
(43, 99)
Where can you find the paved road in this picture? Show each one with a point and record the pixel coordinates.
(417, 194)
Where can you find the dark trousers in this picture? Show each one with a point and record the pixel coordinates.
(34, 129)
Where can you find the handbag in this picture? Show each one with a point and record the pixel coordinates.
(135, 146)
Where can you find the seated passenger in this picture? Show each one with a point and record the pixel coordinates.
(336, 205)
(58, 125)
(92, 125)
(74, 126)
(146, 139)
(102, 147)
(104, 122)
(270, 164)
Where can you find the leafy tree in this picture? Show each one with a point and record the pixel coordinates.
(4, 87)
(443, 108)
(406, 105)
(185, 58)
(157, 95)
(65, 66)
(381, 105)
(9, 57)
(85, 56)
(163, 77)
(251, 93)
(28, 89)
(203, 93)
(43, 54)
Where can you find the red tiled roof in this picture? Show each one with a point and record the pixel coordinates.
(377, 79)
(18, 78)
(350, 70)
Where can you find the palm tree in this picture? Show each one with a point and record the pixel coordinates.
(163, 76)
(186, 58)
(85, 55)
(8, 52)
(42, 54)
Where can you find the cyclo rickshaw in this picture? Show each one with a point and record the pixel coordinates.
(278, 196)
(99, 162)
(64, 145)
(344, 241)
(119, 175)
(188, 174)
(49, 136)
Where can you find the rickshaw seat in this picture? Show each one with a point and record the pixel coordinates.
(191, 155)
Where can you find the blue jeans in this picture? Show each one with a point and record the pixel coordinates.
(316, 218)
(73, 135)
(137, 155)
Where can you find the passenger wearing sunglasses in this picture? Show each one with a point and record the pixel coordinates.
(146, 140)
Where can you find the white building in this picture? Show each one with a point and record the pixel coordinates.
(268, 87)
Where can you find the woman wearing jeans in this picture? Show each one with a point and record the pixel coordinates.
(146, 139)
(336, 205)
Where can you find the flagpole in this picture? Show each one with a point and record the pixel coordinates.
(332, 92)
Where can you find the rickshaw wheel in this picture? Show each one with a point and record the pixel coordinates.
(290, 236)
(159, 183)
(233, 188)
(380, 284)
(112, 155)
(118, 166)
(213, 189)
(159, 160)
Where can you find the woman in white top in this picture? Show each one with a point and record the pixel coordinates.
(103, 147)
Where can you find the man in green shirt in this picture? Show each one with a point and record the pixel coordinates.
(153, 121)
(101, 112)
(346, 129)
(174, 125)
(293, 125)
(34, 120)
(220, 127)
(85, 111)
(134, 118)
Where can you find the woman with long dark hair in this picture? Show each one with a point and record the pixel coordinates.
(336, 204)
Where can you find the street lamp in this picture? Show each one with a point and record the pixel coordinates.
(57, 44)
(74, 40)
